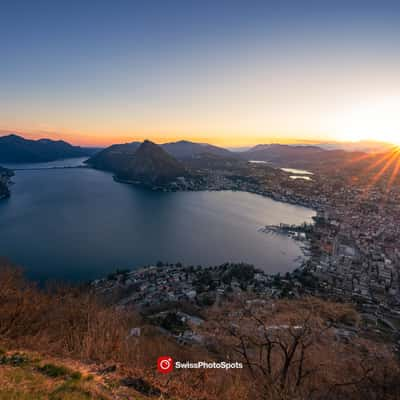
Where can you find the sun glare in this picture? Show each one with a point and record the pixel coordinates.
(372, 120)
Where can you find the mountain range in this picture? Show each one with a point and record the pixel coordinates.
(120, 158)
(177, 157)
(366, 146)
(16, 149)
(282, 154)
(184, 149)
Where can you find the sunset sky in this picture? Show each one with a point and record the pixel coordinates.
(226, 72)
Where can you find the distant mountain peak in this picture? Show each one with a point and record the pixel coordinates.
(260, 147)
(146, 163)
(150, 149)
(17, 149)
(148, 143)
(153, 165)
(185, 149)
(12, 136)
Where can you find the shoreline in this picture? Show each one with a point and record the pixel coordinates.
(314, 206)
(298, 262)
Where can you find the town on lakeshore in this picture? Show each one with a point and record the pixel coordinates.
(199, 200)
(351, 249)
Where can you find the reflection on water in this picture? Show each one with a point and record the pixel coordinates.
(297, 171)
(68, 162)
(258, 162)
(304, 177)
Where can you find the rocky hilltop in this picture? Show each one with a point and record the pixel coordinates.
(114, 158)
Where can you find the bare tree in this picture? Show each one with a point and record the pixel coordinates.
(291, 351)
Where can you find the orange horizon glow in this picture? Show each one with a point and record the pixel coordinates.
(373, 119)
(93, 140)
(102, 140)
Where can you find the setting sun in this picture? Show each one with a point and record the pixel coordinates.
(371, 120)
(206, 189)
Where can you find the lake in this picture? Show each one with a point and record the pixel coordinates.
(298, 173)
(79, 224)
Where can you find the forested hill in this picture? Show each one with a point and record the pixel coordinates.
(16, 149)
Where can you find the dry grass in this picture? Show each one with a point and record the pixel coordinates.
(49, 379)
(74, 328)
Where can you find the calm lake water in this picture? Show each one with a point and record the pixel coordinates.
(79, 224)
(297, 171)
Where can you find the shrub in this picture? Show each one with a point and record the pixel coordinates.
(54, 371)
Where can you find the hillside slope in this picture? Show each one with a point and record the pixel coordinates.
(312, 158)
(69, 344)
(153, 165)
(145, 163)
(114, 158)
(27, 375)
(184, 149)
(16, 149)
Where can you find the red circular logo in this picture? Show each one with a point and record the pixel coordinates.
(165, 364)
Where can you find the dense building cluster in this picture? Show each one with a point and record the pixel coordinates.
(355, 242)
(353, 247)
(172, 283)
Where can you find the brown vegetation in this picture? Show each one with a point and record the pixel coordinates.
(305, 349)
(290, 349)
